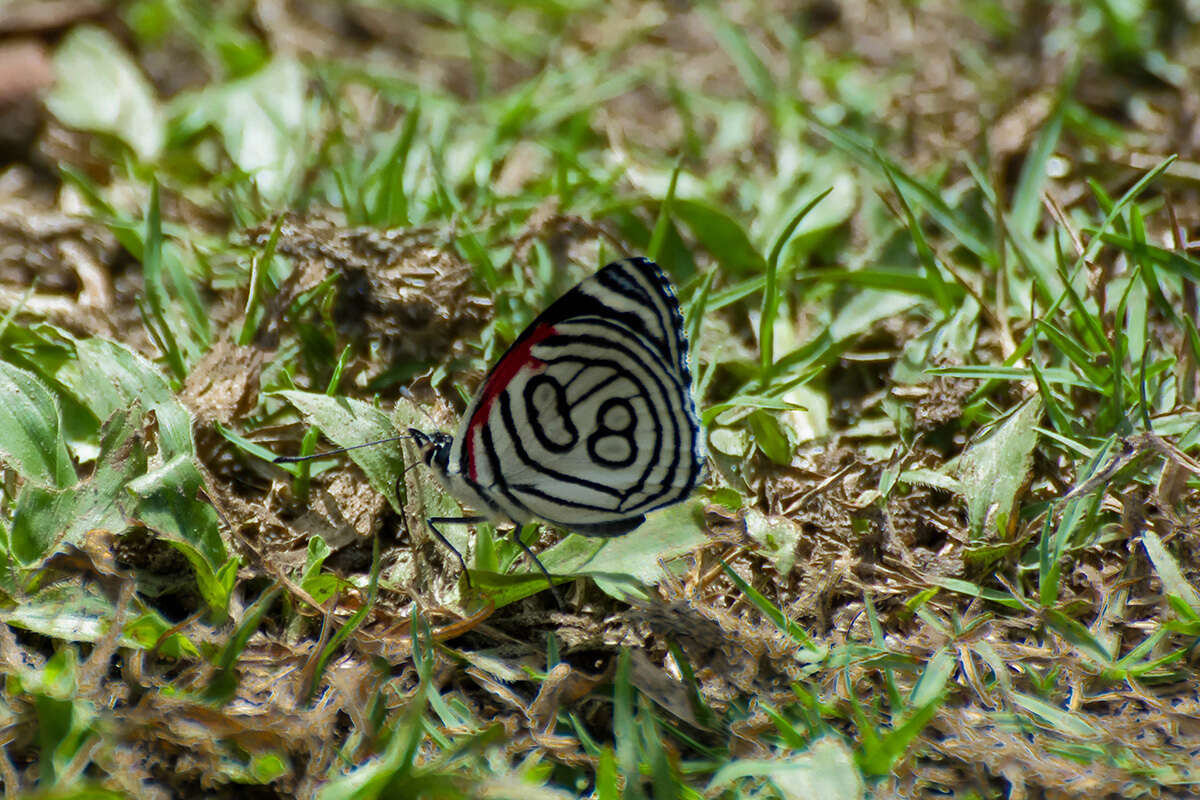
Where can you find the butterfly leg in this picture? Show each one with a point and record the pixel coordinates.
(433, 522)
(516, 535)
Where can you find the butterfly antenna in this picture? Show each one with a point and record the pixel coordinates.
(337, 451)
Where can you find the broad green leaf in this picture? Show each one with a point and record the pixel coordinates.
(44, 518)
(1168, 569)
(865, 308)
(1067, 723)
(932, 683)
(347, 422)
(666, 534)
(151, 630)
(31, 439)
(777, 538)
(826, 770)
(99, 88)
(771, 436)
(318, 551)
(108, 377)
(39, 520)
(165, 500)
(731, 442)
(73, 613)
(261, 119)
(321, 585)
(630, 560)
(993, 469)
(266, 768)
(722, 236)
(1079, 637)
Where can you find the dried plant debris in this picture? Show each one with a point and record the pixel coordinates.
(55, 264)
(567, 238)
(403, 291)
(224, 384)
(25, 72)
(346, 511)
(732, 653)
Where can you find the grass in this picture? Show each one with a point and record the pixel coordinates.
(944, 343)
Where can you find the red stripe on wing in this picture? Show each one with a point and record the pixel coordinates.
(516, 359)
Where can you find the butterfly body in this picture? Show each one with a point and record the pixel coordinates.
(588, 420)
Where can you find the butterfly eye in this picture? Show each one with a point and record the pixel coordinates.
(435, 451)
(432, 446)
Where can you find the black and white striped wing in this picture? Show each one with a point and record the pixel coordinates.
(588, 420)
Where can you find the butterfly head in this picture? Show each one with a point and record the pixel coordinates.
(434, 447)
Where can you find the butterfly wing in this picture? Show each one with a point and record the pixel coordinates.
(588, 420)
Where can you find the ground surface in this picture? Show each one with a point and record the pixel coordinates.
(936, 264)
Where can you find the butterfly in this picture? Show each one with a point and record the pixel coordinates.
(587, 421)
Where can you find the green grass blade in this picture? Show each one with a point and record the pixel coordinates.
(625, 731)
(223, 684)
(259, 271)
(1027, 197)
(663, 223)
(771, 295)
(791, 629)
(933, 273)
(156, 292)
(391, 207)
